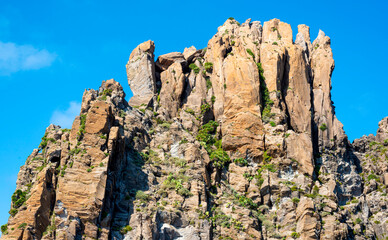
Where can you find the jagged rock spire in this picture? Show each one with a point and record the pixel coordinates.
(141, 73)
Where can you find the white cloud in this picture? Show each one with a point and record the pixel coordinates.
(65, 118)
(14, 58)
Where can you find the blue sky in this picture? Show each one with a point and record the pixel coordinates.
(50, 51)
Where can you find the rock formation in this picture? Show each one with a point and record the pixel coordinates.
(235, 141)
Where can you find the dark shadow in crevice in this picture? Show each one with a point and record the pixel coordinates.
(125, 177)
(284, 83)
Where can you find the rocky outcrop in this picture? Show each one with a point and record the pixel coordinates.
(238, 140)
(141, 73)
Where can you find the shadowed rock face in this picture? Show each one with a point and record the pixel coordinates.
(238, 139)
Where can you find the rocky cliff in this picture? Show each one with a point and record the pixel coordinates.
(235, 141)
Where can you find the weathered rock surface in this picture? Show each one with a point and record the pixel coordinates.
(141, 73)
(236, 141)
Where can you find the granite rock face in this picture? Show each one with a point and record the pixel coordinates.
(141, 73)
(236, 141)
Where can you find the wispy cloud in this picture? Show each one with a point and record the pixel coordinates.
(14, 58)
(65, 118)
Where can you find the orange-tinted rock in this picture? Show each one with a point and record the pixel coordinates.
(277, 165)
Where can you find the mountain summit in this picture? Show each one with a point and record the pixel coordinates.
(235, 141)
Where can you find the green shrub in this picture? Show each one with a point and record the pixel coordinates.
(140, 195)
(63, 173)
(205, 107)
(245, 201)
(184, 140)
(179, 162)
(184, 192)
(190, 111)
(322, 205)
(267, 103)
(241, 161)
(231, 18)
(208, 66)
(18, 198)
(323, 127)
(371, 144)
(74, 151)
(266, 157)
(43, 144)
(107, 92)
(206, 131)
(315, 192)
(81, 129)
(4, 229)
(270, 167)
(213, 146)
(372, 176)
(358, 221)
(208, 83)
(176, 182)
(218, 143)
(102, 136)
(248, 176)
(354, 200)
(37, 159)
(125, 229)
(213, 99)
(274, 43)
(13, 212)
(295, 200)
(295, 235)
(165, 125)
(151, 131)
(273, 124)
(249, 51)
(122, 113)
(22, 226)
(194, 67)
(219, 158)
